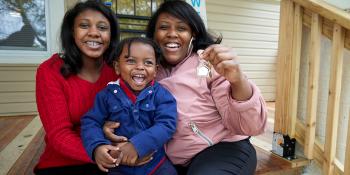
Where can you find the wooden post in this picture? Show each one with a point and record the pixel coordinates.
(334, 98)
(347, 152)
(295, 70)
(314, 70)
(284, 65)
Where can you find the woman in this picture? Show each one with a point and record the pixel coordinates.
(66, 85)
(217, 113)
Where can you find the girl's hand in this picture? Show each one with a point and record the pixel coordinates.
(102, 157)
(108, 130)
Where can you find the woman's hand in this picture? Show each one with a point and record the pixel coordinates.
(224, 61)
(119, 141)
(119, 156)
(108, 130)
(102, 157)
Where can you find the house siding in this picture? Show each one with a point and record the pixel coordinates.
(251, 28)
(17, 89)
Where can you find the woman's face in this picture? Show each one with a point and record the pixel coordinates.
(173, 36)
(92, 33)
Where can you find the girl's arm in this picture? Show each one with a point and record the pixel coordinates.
(53, 110)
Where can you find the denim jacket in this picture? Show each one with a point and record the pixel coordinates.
(148, 123)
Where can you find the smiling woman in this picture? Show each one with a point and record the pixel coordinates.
(67, 83)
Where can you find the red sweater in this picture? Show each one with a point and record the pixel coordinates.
(61, 103)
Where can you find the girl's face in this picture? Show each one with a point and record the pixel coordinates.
(92, 33)
(140, 68)
(173, 36)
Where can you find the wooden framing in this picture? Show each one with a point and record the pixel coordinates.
(314, 70)
(347, 152)
(334, 98)
(333, 23)
(328, 11)
(288, 64)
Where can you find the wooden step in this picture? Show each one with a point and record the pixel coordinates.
(268, 163)
(272, 164)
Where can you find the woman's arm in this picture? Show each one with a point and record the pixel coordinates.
(54, 114)
(238, 101)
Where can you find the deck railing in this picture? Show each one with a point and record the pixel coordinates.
(333, 23)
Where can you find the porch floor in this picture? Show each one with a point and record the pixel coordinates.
(17, 157)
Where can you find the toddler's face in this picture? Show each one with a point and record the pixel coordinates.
(139, 69)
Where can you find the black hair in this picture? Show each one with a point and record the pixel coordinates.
(71, 53)
(129, 41)
(185, 12)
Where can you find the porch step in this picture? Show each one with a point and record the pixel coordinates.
(272, 164)
(28, 153)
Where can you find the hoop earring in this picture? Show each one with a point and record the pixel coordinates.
(190, 46)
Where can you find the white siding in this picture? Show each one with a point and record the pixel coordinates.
(251, 27)
(17, 89)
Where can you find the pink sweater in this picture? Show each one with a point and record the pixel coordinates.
(207, 114)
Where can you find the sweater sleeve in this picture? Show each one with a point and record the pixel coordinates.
(53, 110)
(92, 124)
(241, 117)
(164, 125)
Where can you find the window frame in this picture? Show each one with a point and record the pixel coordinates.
(54, 12)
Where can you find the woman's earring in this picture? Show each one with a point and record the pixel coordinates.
(190, 47)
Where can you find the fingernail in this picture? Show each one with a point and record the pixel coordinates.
(117, 164)
(200, 52)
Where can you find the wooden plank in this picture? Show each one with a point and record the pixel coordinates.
(283, 64)
(338, 167)
(10, 127)
(13, 150)
(334, 98)
(295, 70)
(269, 162)
(347, 152)
(30, 157)
(327, 28)
(313, 79)
(328, 11)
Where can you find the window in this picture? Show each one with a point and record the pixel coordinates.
(23, 25)
(133, 15)
(29, 30)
